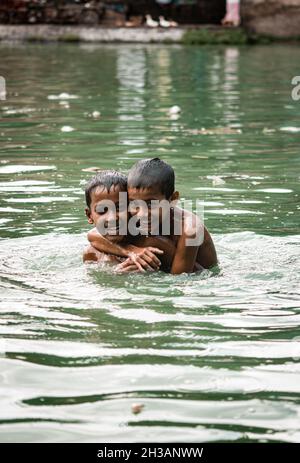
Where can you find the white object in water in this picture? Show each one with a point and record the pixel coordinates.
(64, 104)
(62, 96)
(216, 180)
(267, 130)
(92, 169)
(16, 168)
(163, 22)
(67, 128)
(150, 22)
(174, 110)
(96, 114)
(290, 129)
(137, 408)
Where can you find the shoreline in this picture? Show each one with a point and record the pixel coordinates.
(188, 35)
(66, 33)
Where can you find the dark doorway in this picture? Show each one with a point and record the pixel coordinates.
(182, 11)
(93, 11)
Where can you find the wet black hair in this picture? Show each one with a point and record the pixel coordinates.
(106, 179)
(149, 172)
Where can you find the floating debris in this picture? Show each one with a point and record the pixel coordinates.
(18, 111)
(65, 104)
(92, 169)
(216, 180)
(137, 408)
(290, 129)
(236, 177)
(174, 110)
(275, 190)
(164, 141)
(266, 130)
(233, 212)
(62, 96)
(67, 128)
(215, 131)
(96, 114)
(10, 146)
(16, 168)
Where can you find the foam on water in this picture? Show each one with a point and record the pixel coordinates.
(173, 343)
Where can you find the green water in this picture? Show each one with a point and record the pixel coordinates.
(211, 358)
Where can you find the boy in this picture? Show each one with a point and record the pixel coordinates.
(150, 181)
(101, 191)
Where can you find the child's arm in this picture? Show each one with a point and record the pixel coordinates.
(186, 256)
(144, 257)
(207, 255)
(160, 242)
(102, 244)
(90, 254)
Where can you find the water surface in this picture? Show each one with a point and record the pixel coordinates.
(211, 357)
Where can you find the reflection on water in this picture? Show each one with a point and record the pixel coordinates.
(211, 357)
(131, 70)
(217, 355)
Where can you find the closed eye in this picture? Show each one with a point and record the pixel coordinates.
(101, 210)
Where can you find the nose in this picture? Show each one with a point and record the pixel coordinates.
(111, 217)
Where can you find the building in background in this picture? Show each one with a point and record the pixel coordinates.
(232, 17)
(110, 12)
(275, 18)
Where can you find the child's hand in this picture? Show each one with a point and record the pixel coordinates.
(145, 258)
(141, 260)
(128, 266)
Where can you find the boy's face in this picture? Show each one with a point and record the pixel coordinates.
(105, 218)
(150, 211)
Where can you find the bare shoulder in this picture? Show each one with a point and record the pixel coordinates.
(163, 243)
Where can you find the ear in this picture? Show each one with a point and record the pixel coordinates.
(174, 198)
(88, 214)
